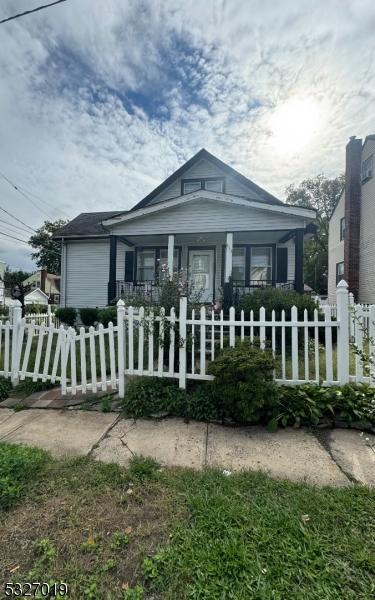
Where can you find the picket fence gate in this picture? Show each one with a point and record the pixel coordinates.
(181, 346)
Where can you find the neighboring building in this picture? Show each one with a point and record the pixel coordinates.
(48, 283)
(352, 225)
(2, 285)
(205, 218)
(36, 297)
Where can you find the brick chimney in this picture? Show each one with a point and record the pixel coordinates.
(43, 279)
(352, 213)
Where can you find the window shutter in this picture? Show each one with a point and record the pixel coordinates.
(282, 265)
(129, 265)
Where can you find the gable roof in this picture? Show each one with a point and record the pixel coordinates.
(87, 224)
(261, 194)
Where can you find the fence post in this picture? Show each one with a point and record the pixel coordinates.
(351, 315)
(49, 315)
(182, 339)
(121, 347)
(342, 301)
(15, 312)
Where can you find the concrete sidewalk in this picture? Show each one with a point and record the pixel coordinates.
(335, 457)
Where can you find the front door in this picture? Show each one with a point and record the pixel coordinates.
(201, 273)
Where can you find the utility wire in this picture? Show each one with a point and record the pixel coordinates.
(9, 224)
(12, 236)
(28, 12)
(13, 185)
(19, 220)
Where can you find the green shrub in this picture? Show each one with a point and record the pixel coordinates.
(38, 309)
(18, 467)
(201, 402)
(5, 388)
(276, 299)
(28, 387)
(66, 315)
(107, 315)
(148, 396)
(308, 404)
(89, 316)
(243, 384)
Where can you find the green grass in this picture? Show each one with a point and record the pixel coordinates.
(144, 533)
(18, 467)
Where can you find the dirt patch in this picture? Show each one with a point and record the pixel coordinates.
(98, 530)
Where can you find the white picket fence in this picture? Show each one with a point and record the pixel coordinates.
(181, 345)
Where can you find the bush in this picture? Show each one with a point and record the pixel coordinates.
(277, 299)
(243, 384)
(5, 388)
(38, 309)
(308, 404)
(66, 315)
(201, 404)
(18, 466)
(89, 316)
(28, 386)
(107, 315)
(148, 396)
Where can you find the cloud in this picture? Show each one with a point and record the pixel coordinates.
(100, 101)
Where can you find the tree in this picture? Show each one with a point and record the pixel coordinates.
(322, 194)
(13, 278)
(48, 251)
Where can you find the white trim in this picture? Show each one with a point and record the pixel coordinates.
(205, 195)
(170, 255)
(228, 256)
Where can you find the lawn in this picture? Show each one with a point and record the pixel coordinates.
(142, 532)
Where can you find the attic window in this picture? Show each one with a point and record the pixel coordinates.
(214, 185)
(192, 186)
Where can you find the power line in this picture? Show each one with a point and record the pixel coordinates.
(19, 220)
(14, 238)
(13, 185)
(28, 12)
(21, 188)
(14, 226)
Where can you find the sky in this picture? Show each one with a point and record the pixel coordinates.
(101, 100)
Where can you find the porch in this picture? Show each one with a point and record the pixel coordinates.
(252, 259)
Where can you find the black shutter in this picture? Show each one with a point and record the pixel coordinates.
(129, 266)
(282, 265)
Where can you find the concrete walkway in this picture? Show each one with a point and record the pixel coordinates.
(334, 457)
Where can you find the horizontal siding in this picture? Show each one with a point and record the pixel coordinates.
(335, 247)
(205, 168)
(206, 216)
(86, 273)
(120, 261)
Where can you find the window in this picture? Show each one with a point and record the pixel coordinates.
(238, 265)
(214, 185)
(192, 186)
(261, 264)
(339, 272)
(164, 260)
(367, 168)
(342, 228)
(146, 265)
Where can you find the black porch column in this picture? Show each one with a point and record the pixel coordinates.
(298, 268)
(112, 268)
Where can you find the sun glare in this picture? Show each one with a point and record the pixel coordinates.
(294, 124)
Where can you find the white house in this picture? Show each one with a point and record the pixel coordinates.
(2, 285)
(206, 218)
(351, 243)
(36, 296)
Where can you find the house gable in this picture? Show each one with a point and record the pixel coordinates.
(204, 164)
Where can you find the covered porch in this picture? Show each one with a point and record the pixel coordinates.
(250, 259)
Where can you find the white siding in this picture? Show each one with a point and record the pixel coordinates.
(204, 216)
(86, 273)
(367, 239)
(205, 168)
(120, 261)
(291, 258)
(335, 247)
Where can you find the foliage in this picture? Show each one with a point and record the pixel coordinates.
(18, 467)
(143, 467)
(277, 300)
(37, 309)
(5, 388)
(67, 315)
(147, 396)
(28, 387)
(89, 316)
(201, 402)
(107, 315)
(322, 194)
(243, 383)
(119, 540)
(13, 278)
(308, 404)
(134, 593)
(106, 403)
(47, 250)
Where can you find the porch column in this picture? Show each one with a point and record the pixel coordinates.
(170, 255)
(112, 268)
(228, 257)
(298, 265)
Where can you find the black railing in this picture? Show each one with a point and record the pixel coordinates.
(142, 290)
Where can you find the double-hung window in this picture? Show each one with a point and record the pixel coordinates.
(342, 229)
(339, 272)
(163, 262)
(261, 264)
(146, 265)
(239, 266)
